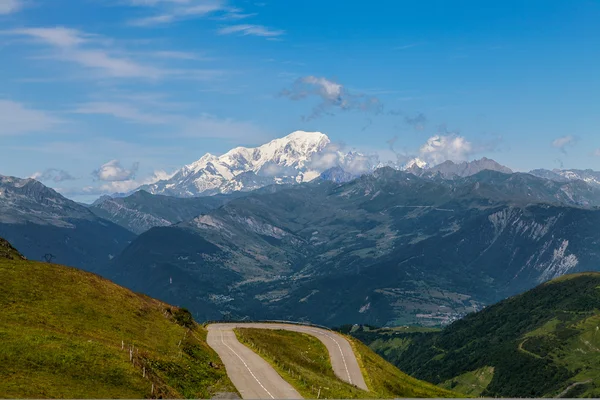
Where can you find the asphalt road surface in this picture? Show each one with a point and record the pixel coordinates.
(256, 379)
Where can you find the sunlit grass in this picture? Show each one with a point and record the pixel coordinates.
(67, 333)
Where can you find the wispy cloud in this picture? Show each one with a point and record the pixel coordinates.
(334, 96)
(85, 50)
(100, 54)
(53, 174)
(596, 153)
(170, 11)
(10, 6)
(250, 30)
(18, 119)
(563, 142)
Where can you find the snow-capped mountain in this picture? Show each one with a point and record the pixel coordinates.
(564, 175)
(415, 163)
(296, 158)
(285, 160)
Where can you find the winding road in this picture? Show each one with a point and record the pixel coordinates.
(256, 379)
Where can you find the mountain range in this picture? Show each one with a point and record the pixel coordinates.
(386, 248)
(410, 244)
(304, 156)
(45, 225)
(141, 210)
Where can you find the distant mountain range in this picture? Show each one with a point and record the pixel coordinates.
(141, 210)
(565, 175)
(296, 158)
(386, 248)
(43, 224)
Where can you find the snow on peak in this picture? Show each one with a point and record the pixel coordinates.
(280, 160)
(415, 162)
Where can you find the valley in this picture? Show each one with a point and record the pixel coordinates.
(542, 343)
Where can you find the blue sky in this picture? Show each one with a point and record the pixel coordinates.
(101, 95)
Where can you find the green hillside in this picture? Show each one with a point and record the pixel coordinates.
(65, 333)
(303, 361)
(545, 342)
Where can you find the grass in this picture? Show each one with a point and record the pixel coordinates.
(387, 381)
(471, 383)
(303, 361)
(542, 343)
(65, 333)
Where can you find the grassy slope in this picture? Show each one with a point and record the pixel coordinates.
(304, 362)
(61, 333)
(471, 383)
(539, 344)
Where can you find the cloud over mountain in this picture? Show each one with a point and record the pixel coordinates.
(113, 171)
(53, 174)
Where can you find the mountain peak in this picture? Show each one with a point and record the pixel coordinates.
(306, 136)
(282, 160)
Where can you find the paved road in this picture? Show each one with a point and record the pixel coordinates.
(255, 378)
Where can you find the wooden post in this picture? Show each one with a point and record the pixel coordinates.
(153, 389)
(122, 345)
(319, 394)
(144, 373)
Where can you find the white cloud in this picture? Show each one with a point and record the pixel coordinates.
(440, 148)
(597, 153)
(563, 142)
(113, 171)
(17, 119)
(10, 6)
(132, 184)
(335, 155)
(250, 30)
(328, 89)
(333, 95)
(53, 174)
(124, 186)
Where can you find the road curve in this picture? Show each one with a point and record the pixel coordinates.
(342, 357)
(252, 376)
